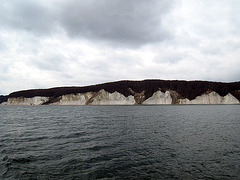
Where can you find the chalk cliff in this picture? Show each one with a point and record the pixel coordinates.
(211, 98)
(159, 98)
(105, 98)
(37, 100)
(95, 98)
(132, 92)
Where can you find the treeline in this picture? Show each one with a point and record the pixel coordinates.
(186, 89)
(3, 99)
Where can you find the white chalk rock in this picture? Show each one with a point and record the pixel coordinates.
(74, 99)
(95, 98)
(105, 98)
(211, 98)
(159, 98)
(230, 99)
(37, 100)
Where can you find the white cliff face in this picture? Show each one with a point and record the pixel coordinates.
(37, 100)
(105, 98)
(96, 98)
(159, 98)
(74, 99)
(211, 98)
(230, 99)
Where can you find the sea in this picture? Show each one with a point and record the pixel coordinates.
(120, 142)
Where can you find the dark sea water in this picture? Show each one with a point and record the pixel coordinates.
(120, 142)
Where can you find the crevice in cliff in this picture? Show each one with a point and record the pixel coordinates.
(91, 99)
(51, 100)
(175, 97)
(138, 97)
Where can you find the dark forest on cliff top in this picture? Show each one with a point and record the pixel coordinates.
(186, 89)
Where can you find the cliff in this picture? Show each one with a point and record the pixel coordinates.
(133, 92)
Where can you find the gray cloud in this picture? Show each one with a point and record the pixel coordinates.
(27, 15)
(131, 22)
(134, 22)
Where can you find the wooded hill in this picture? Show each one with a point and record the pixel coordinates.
(3, 99)
(186, 89)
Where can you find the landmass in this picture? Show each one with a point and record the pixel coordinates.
(3, 99)
(130, 93)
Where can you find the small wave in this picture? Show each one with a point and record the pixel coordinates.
(29, 139)
(72, 135)
(97, 148)
(17, 167)
(99, 159)
(18, 160)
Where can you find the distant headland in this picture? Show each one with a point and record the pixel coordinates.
(131, 92)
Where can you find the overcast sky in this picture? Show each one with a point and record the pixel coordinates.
(81, 42)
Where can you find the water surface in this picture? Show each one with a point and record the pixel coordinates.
(120, 142)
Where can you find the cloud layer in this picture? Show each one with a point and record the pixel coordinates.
(57, 43)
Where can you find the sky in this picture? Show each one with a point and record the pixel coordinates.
(56, 43)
